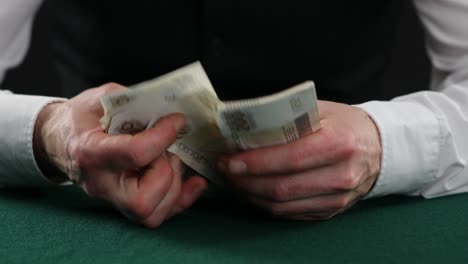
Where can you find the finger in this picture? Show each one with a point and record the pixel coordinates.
(140, 195)
(132, 151)
(314, 150)
(321, 207)
(97, 185)
(332, 179)
(160, 213)
(318, 216)
(317, 206)
(105, 185)
(176, 164)
(192, 189)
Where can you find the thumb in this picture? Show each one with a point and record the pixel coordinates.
(139, 150)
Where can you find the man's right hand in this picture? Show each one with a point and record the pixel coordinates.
(133, 172)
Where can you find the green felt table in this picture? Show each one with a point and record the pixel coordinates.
(62, 225)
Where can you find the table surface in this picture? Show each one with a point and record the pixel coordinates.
(62, 225)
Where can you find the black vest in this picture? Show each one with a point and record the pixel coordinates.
(249, 48)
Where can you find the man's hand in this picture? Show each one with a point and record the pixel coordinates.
(317, 176)
(133, 172)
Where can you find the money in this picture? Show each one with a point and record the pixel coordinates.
(188, 91)
(271, 120)
(213, 128)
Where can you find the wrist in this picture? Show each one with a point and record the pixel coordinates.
(45, 143)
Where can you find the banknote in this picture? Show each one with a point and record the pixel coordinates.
(213, 127)
(188, 91)
(271, 120)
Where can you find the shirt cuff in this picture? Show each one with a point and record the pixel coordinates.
(18, 114)
(410, 135)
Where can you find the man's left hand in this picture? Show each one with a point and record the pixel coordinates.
(317, 176)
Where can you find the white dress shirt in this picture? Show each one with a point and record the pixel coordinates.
(424, 135)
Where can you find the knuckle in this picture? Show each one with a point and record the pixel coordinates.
(347, 146)
(140, 207)
(111, 87)
(280, 192)
(340, 203)
(347, 180)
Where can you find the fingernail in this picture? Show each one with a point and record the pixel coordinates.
(237, 167)
(179, 123)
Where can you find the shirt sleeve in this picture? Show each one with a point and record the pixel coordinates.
(18, 113)
(424, 134)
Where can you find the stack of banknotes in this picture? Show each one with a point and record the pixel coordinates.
(213, 127)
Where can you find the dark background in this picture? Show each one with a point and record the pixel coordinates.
(37, 75)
